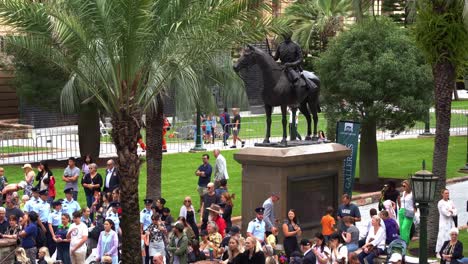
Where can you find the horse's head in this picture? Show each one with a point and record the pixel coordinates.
(246, 59)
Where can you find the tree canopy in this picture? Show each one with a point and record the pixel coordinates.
(375, 74)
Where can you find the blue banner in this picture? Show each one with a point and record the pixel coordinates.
(347, 133)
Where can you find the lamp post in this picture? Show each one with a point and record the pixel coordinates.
(198, 135)
(427, 125)
(424, 184)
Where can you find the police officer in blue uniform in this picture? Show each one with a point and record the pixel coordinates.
(42, 208)
(114, 216)
(69, 205)
(55, 219)
(145, 215)
(33, 201)
(145, 221)
(256, 227)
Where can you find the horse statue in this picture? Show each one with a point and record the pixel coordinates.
(279, 91)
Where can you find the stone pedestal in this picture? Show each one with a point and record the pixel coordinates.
(7, 248)
(308, 178)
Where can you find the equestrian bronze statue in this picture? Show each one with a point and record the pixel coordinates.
(284, 85)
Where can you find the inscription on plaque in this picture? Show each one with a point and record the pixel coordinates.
(310, 196)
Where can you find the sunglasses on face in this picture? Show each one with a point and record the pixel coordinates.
(187, 201)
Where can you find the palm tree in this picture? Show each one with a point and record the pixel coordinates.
(122, 53)
(443, 36)
(316, 20)
(217, 71)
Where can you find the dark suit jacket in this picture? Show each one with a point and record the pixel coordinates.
(114, 181)
(309, 258)
(457, 252)
(257, 258)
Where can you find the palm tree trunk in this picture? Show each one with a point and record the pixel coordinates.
(89, 137)
(444, 80)
(125, 129)
(154, 156)
(368, 154)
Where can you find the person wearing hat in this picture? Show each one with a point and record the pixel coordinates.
(70, 177)
(256, 227)
(29, 206)
(55, 219)
(69, 205)
(114, 216)
(145, 215)
(306, 248)
(29, 176)
(145, 222)
(178, 245)
(215, 211)
(269, 213)
(395, 258)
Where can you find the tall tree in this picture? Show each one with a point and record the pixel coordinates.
(122, 52)
(383, 83)
(443, 37)
(154, 152)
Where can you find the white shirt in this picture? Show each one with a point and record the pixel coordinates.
(108, 177)
(379, 238)
(407, 201)
(323, 254)
(76, 236)
(342, 252)
(220, 169)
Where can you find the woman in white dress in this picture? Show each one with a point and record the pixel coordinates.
(446, 212)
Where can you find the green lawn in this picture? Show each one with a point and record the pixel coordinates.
(397, 158)
(19, 149)
(462, 104)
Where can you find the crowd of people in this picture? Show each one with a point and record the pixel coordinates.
(228, 126)
(44, 225)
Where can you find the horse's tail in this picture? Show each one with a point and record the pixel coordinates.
(319, 110)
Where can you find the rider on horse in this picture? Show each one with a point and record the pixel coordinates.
(290, 54)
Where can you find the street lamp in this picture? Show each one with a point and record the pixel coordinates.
(424, 184)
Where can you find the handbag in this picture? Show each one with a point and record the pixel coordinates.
(409, 214)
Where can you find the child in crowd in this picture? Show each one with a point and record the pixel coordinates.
(272, 238)
(328, 224)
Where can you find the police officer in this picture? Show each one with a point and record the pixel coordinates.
(55, 219)
(256, 227)
(33, 201)
(145, 215)
(42, 208)
(145, 221)
(114, 216)
(69, 205)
